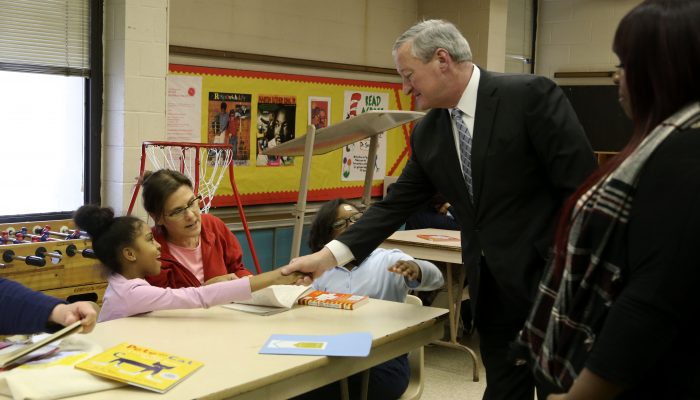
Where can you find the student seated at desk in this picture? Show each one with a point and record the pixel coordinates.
(126, 247)
(385, 274)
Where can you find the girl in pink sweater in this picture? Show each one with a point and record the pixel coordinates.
(126, 247)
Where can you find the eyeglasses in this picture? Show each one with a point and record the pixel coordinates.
(619, 69)
(192, 205)
(341, 223)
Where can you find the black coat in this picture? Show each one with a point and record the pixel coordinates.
(529, 153)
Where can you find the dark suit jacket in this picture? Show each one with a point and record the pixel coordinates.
(529, 153)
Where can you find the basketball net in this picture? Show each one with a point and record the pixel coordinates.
(204, 164)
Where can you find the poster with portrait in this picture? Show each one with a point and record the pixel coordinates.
(275, 125)
(319, 112)
(229, 122)
(354, 161)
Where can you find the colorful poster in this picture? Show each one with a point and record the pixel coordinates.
(229, 122)
(319, 112)
(354, 161)
(275, 125)
(296, 94)
(184, 116)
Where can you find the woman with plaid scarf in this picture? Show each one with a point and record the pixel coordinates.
(614, 314)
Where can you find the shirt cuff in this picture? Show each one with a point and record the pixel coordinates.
(340, 251)
(412, 284)
(246, 290)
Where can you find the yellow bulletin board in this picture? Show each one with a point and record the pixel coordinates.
(261, 181)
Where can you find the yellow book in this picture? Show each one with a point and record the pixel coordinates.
(141, 366)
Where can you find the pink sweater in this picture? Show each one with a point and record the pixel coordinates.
(126, 297)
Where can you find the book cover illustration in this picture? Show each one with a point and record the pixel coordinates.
(141, 366)
(355, 344)
(61, 358)
(342, 301)
(439, 238)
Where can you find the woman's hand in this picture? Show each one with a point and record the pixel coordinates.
(290, 279)
(274, 277)
(83, 311)
(589, 386)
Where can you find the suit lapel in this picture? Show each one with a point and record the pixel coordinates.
(486, 107)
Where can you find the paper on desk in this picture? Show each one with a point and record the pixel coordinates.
(356, 344)
(260, 310)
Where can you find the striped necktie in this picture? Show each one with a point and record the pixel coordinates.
(465, 148)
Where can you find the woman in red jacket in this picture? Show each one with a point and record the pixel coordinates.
(196, 249)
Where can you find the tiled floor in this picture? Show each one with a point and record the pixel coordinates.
(448, 373)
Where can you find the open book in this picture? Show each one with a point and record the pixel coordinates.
(19, 354)
(271, 300)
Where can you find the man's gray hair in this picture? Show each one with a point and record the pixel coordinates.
(427, 36)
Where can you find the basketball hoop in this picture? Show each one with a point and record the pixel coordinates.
(205, 165)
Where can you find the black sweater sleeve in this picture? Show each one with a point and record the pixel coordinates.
(648, 330)
(23, 310)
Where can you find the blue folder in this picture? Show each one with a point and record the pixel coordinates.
(356, 344)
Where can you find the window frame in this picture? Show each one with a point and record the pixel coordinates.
(92, 166)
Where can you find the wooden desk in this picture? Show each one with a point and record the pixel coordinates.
(449, 252)
(228, 341)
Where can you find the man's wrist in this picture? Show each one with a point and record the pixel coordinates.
(340, 252)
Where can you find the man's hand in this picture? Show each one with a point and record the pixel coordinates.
(314, 265)
(83, 311)
(407, 268)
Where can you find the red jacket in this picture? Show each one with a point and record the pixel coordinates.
(221, 255)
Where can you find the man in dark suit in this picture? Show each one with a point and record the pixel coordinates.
(505, 151)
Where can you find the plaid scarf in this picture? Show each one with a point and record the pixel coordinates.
(573, 299)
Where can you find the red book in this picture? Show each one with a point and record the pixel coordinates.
(342, 301)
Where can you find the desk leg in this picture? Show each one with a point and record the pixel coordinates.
(344, 389)
(365, 385)
(454, 305)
